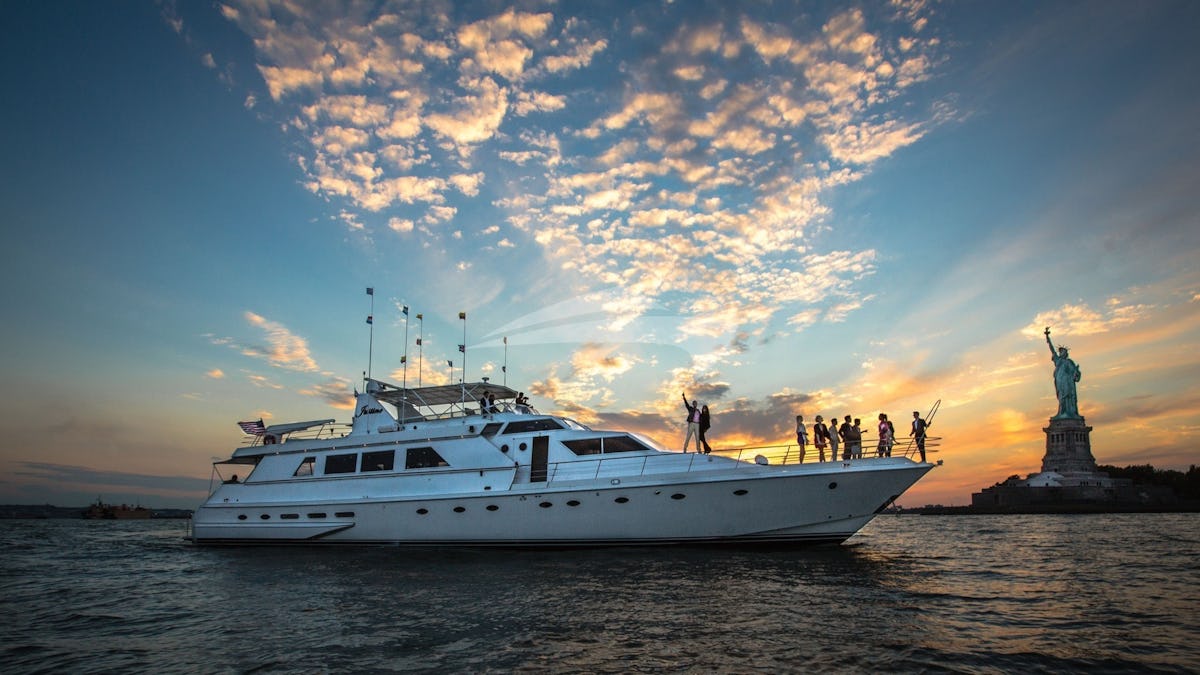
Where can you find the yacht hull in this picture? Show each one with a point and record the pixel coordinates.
(786, 505)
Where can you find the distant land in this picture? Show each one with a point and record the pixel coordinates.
(940, 510)
(1174, 492)
(41, 511)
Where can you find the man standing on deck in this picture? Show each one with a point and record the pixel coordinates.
(918, 429)
(693, 423)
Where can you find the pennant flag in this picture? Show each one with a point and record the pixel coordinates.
(450, 363)
(403, 359)
(405, 310)
(418, 339)
(370, 319)
(504, 369)
(462, 315)
(370, 290)
(462, 348)
(420, 317)
(505, 339)
(255, 428)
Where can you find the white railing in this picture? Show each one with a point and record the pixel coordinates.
(773, 455)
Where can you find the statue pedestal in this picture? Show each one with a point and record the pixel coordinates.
(1068, 447)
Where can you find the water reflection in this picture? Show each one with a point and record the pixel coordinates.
(909, 593)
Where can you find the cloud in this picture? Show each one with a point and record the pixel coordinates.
(334, 391)
(1083, 320)
(695, 172)
(283, 349)
(57, 474)
(215, 373)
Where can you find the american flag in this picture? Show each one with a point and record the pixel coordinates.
(254, 428)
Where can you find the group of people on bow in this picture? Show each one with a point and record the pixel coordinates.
(849, 436)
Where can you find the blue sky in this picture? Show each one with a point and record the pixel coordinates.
(780, 208)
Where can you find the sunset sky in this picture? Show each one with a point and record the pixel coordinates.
(777, 207)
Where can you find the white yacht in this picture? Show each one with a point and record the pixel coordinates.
(432, 467)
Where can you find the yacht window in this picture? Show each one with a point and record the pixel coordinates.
(379, 461)
(306, 467)
(423, 458)
(622, 444)
(491, 429)
(572, 424)
(340, 463)
(540, 424)
(584, 446)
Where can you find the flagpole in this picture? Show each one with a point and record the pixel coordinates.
(504, 368)
(371, 323)
(420, 348)
(463, 349)
(404, 358)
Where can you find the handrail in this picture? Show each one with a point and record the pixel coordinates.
(776, 455)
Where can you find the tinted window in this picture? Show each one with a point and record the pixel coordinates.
(340, 463)
(423, 458)
(379, 461)
(541, 424)
(306, 467)
(491, 429)
(622, 444)
(584, 446)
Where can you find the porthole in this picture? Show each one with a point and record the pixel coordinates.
(265, 516)
(621, 500)
(242, 517)
(316, 515)
(678, 496)
(493, 507)
(344, 514)
(504, 448)
(459, 509)
(290, 516)
(545, 505)
(573, 502)
(740, 492)
(522, 446)
(422, 511)
(833, 485)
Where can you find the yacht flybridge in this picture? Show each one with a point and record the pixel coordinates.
(437, 466)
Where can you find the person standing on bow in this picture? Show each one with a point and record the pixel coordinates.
(919, 426)
(801, 436)
(884, 448)
(705, 425)
(847, 434)
(693, 423)
(831, 432)
(820, 435)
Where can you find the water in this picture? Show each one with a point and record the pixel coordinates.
(1094, 593)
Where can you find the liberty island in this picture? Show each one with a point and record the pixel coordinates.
(1069, 479)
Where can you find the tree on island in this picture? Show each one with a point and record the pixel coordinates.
(1186, 485)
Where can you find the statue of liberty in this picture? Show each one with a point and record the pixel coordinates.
(1066, 374)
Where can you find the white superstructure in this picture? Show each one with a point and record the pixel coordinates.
(438, 471)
